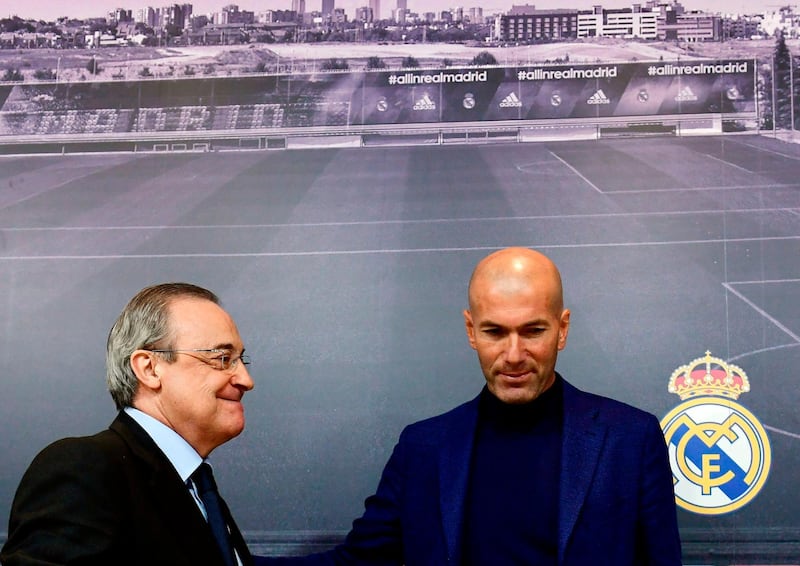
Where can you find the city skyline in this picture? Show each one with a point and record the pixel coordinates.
(52, 9)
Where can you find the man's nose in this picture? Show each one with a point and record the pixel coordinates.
(242, 377)
(515, 351)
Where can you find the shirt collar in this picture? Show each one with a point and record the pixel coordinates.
(180, 453)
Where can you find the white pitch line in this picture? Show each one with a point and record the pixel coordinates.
(739, 167)
(766, 150)
(762, 281)
(763, 313)
(578, 173)
(537, 245)
(702, 189)
(651, 214)
(762, 351)
(783, 432)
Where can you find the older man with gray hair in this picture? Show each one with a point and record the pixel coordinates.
(141, 492)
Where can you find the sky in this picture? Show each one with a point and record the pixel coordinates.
(52, 9)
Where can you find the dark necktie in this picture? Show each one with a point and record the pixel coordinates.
(207, 489)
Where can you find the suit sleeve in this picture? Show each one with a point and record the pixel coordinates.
(658, 537)
(65, 508)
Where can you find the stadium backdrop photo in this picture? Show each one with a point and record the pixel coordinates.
(339, 215)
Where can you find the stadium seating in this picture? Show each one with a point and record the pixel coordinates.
(49, 109)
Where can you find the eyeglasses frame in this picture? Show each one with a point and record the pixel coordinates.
(231, 365)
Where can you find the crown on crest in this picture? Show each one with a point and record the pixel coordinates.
(708, 376)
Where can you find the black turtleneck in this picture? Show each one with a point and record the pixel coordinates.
(513, 493)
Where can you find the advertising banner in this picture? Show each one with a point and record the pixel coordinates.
(556, 92)
(364, 98)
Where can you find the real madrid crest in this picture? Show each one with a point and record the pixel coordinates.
(719, 452)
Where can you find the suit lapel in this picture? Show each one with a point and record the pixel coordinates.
(583, 438)
(236, 536)
(175, 508)
(455, 456)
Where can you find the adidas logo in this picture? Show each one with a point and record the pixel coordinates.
(511, 101)
(425, 103)
(598, 97)
(685, 95)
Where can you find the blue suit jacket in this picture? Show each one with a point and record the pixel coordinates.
(617, 505)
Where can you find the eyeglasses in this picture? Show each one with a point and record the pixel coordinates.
(224, 362)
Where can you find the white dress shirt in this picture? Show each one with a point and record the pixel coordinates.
(180, 453)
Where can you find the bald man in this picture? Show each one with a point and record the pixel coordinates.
(532, 471)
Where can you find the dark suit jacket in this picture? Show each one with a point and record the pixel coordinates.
(617, 506)
(112, 499)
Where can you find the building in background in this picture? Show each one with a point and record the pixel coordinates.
(277, 16)
(197, 21)
(364, 14)
(401, 11)
(690, 26)
(146, 16)
(375, 6)
(172, 16)
(627, 23)
(524, 23)
(338, 17)
(231, 14)
(741, 27)
(476, 15)
(653, 20)
(299, 8)
(120, 15)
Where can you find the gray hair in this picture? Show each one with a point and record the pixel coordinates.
(143, 324)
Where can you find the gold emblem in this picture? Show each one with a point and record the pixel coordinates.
(719, 452)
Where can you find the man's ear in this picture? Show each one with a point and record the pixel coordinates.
(563, 329)
(145, 366)
(469, 325)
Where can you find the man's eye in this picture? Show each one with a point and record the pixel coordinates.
(535, 331)
(224, 360)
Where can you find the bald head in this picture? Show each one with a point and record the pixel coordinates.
(517, 322)
(513, 271)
